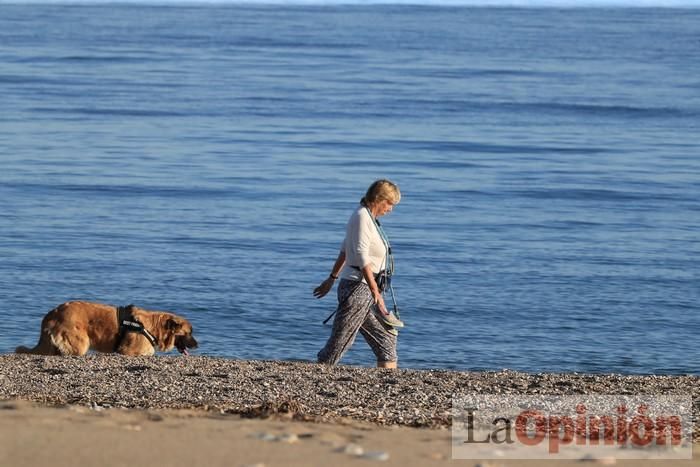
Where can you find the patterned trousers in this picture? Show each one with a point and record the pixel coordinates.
(355, 313)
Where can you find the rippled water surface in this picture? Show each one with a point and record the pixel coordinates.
(204, 160)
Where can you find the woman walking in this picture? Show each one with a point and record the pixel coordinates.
(364, 265)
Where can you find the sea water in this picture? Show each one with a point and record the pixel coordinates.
(203, 159)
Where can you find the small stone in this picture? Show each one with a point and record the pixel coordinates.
(265, 437)
(376, 455)
(96, 407)
(289, 438)
(352, 449)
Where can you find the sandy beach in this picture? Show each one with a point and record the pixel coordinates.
(111, 410)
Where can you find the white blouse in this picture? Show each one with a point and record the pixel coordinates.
(362, 245)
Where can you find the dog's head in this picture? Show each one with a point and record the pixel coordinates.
(178, 334)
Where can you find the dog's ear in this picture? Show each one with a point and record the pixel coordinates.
(172, 324)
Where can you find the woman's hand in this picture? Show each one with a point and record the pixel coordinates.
(379, 302)
(327, 285)
(324, 288)
(374, 289)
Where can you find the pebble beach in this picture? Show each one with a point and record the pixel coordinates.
(306, 391)
(284, 391)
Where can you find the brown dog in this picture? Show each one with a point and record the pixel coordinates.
(73, 328)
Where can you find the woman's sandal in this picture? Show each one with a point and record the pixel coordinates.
(389, 319)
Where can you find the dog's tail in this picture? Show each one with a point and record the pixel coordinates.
(44, 347)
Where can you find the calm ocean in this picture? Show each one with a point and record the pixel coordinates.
(204, 160)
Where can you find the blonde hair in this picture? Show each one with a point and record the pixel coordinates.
(381, 190)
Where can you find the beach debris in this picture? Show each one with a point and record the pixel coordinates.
(96, 407)
(351, 449)
(376, 455)
(288, 438)
(334, 440)
(6, 405)
(265, 436)
(154, 417)
(602, 460)
(282, 407)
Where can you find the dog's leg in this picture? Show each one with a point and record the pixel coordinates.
(135, 345)
(70, 343)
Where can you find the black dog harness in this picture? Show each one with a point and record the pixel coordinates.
(127, 323)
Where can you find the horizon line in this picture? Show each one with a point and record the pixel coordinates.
(568, 4)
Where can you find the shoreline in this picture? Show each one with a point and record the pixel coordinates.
(174, 410)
